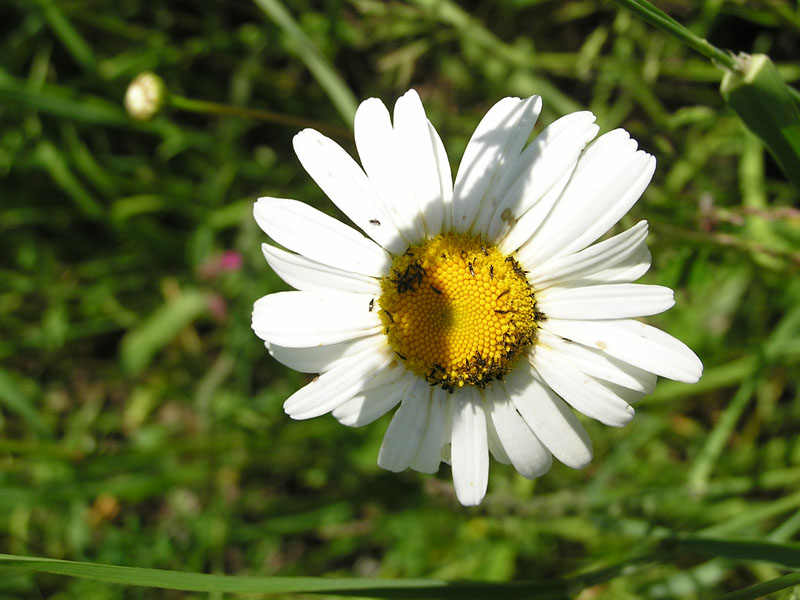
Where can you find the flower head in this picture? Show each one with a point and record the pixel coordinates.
(485, 308)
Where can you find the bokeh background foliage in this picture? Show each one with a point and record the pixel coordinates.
(140, 419)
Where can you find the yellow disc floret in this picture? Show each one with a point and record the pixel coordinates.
(456, 311)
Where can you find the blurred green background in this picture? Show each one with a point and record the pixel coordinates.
(140, 418)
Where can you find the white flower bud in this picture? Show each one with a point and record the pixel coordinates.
(145, 96)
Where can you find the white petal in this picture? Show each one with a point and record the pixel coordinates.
(469, 449)
(321, 238)
(403, 437)
(584, 264)
(317, 359)
(550, 419)
(373, 403)
(445, 178)
(599, 364)
(349, 377)
(348, 187)
(528, 455)
(630, 396)
(380, 155)
(419, 153)
(429, 454)
(307, 275)
(498, 139)
(612, 301)
(551, 155)
(630, 269)
(495, 445)
(633, 342)
(303, 319)
(581, 391)
(522, 230)
(608, 180)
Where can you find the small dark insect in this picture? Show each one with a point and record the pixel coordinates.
(484, 250)
(371, 304)
(375, 222)
(491, 271)
(435, 289)
(502, 312)
(515, 265)
(471, 270)
(410, 279)
(431, 377)
(502, 294)
(388, 314)
(400, 355)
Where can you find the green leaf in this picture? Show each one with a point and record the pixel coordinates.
(763, 101)
(376, 588)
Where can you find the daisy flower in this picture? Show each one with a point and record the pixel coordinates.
(485, 308)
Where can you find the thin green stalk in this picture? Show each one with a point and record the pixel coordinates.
(215, 108)
(667, 24)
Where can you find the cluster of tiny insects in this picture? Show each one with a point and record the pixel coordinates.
(457, 312)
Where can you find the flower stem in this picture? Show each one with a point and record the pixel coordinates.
(667, 24)
(215, 108)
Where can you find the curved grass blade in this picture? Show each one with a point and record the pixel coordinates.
(787, 555)
(760, 590)
(375, 588)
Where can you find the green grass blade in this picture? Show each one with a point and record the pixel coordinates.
(200, 582)
(715, 443)
(754, 514)
(66, 103)
(760, 590)
(70, 37)
(469, 28)
(763, 101)
(340, 94)
(13, 399)
(52, 160)
(142, 343)
(787, 555)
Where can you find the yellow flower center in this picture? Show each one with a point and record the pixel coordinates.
(457, 311)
